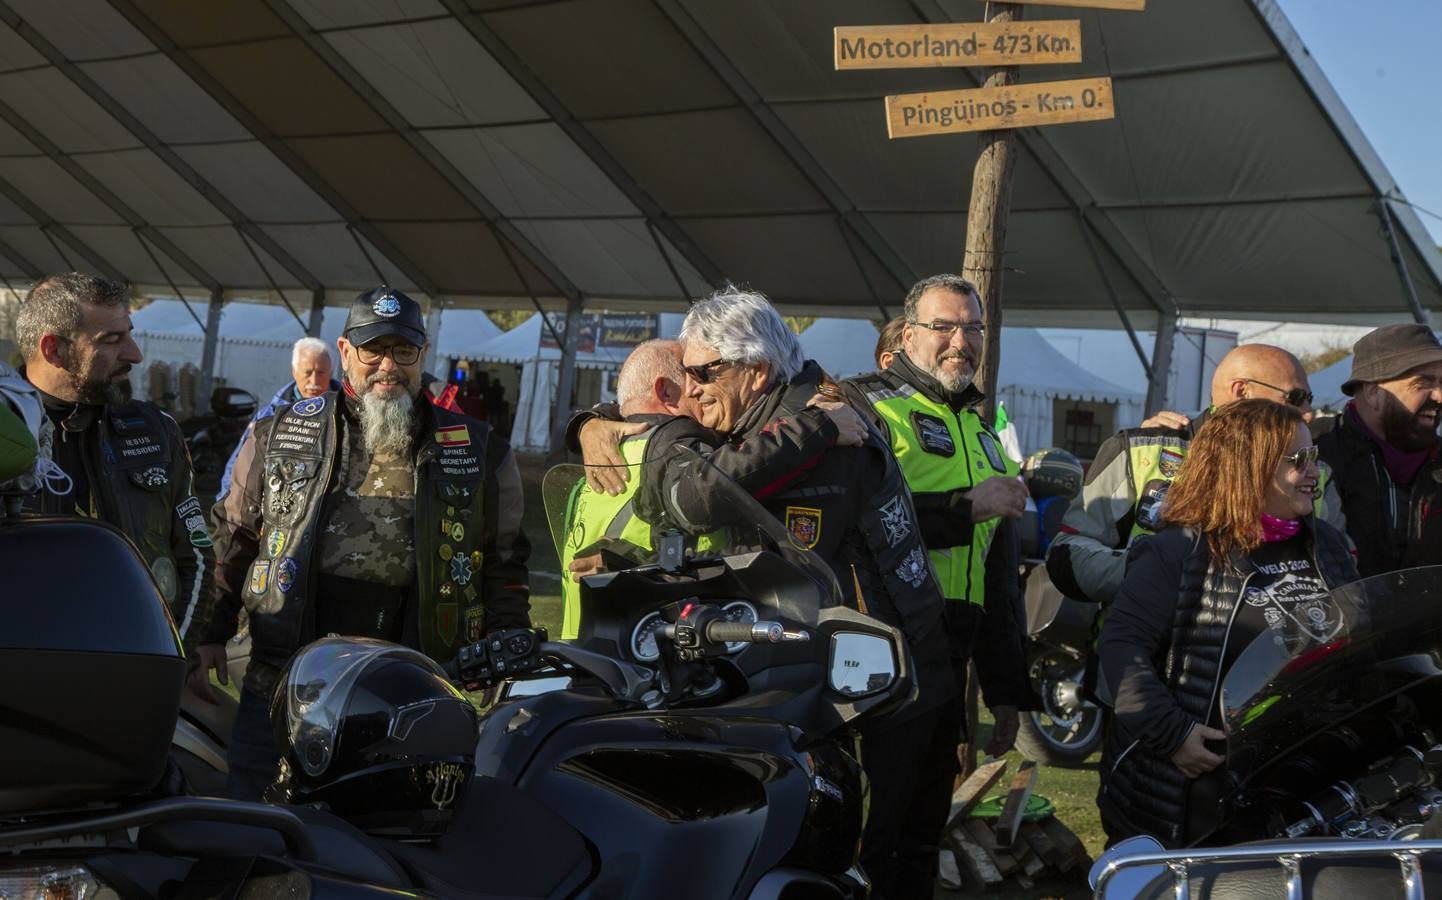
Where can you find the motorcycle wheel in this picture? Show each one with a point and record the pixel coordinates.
(1066, 730)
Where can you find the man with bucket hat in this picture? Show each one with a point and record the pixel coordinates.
(365, 511)
(1383, 448)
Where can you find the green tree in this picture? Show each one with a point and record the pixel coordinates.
(799, 324)
(1317, 360)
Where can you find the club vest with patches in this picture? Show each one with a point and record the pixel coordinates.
(593, 517)
(940, 451)
(300, 470)
(1154, 459)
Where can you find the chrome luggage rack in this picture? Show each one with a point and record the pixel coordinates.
(1289, 855)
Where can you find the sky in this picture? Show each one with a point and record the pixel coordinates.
(1383, 59)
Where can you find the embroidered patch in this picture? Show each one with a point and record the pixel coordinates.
(386, 306)
(166, 577)
(455, 436)
(447, 618)
(1170, 462)
(446, 552)
(804, 523)
(134, 423)
(285, 575)
(275, 543)
(913, 568)
(199, 537)
(259, 576)
(475, 620)
(188, 507)
(1149, 507)
(992, 451)
(461, 570)
(155, 476)
(896, 521)
(311, 406)
(933, 434)
(458, 532)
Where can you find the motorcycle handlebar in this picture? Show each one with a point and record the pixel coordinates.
(723, 632)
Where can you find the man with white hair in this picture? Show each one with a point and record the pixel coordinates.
(310, 369)
(367, 512)
(849, 504)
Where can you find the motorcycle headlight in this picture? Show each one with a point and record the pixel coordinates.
(53, 881)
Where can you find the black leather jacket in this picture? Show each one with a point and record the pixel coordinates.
(1162, 649)
(283, 481)
(849, 504)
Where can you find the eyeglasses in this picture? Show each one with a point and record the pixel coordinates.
(947, 329)
(1302, 458)
(403, 354)
(706, 372)
(1298, 397)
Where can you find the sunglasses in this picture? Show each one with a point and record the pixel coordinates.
(706, 372)
(1298, 397)
(1303, 458)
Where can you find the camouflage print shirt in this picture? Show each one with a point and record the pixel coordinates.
(369, 534)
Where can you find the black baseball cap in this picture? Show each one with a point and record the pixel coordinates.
(1390, 352)
(381, 311)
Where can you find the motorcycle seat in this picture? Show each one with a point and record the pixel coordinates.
(340, 847)
(503, 845)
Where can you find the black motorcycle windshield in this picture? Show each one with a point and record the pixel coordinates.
(1366, 642)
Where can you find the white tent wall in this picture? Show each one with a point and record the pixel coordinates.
(260, 367)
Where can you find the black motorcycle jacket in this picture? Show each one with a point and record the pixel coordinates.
(470, 554)
(1392, 526)
(847, 504)
(1161, 653)
(134, 464)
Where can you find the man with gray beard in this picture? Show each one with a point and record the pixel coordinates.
(365, 512)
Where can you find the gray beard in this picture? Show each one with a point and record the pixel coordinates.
(954, 383)
(386, 424)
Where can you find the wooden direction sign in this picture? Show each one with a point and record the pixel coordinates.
(1132, 5)
(957, 44)
(1013, 106)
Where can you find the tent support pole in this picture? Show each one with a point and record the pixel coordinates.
(433, 333)
(1161, 362)
(317, 312)
(207, 352)
(1384, 215)
(566, 383)
(1112, 293)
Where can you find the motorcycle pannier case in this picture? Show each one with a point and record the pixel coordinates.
(91, 668)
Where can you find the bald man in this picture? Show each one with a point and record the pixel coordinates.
(1131, 473)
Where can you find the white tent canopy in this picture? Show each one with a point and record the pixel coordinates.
(1327, 383)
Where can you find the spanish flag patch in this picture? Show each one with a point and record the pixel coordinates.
(455, 436)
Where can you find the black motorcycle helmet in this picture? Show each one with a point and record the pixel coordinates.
(1053, 472)
(376, 732)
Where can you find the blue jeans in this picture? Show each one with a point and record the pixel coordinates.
(252, 758)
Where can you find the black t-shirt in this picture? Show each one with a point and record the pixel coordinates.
(1284, 601)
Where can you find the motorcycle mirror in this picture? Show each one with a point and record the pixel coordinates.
(1126, 881)
(861, 664)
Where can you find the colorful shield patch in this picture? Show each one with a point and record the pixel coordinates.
(285, 575)
(448, 617)
(475, 622)
(275, 543)
(1170, 462)
(804, 523)
(455, 436)
(259, 576)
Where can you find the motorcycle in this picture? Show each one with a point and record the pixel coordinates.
(1065, 728)
(1333, 773)
(690, 741)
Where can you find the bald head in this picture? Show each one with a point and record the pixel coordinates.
(1261, 371)
(652, 381)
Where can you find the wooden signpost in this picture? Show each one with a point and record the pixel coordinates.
(960, 44)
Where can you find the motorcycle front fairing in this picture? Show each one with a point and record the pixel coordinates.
(1302, 713)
